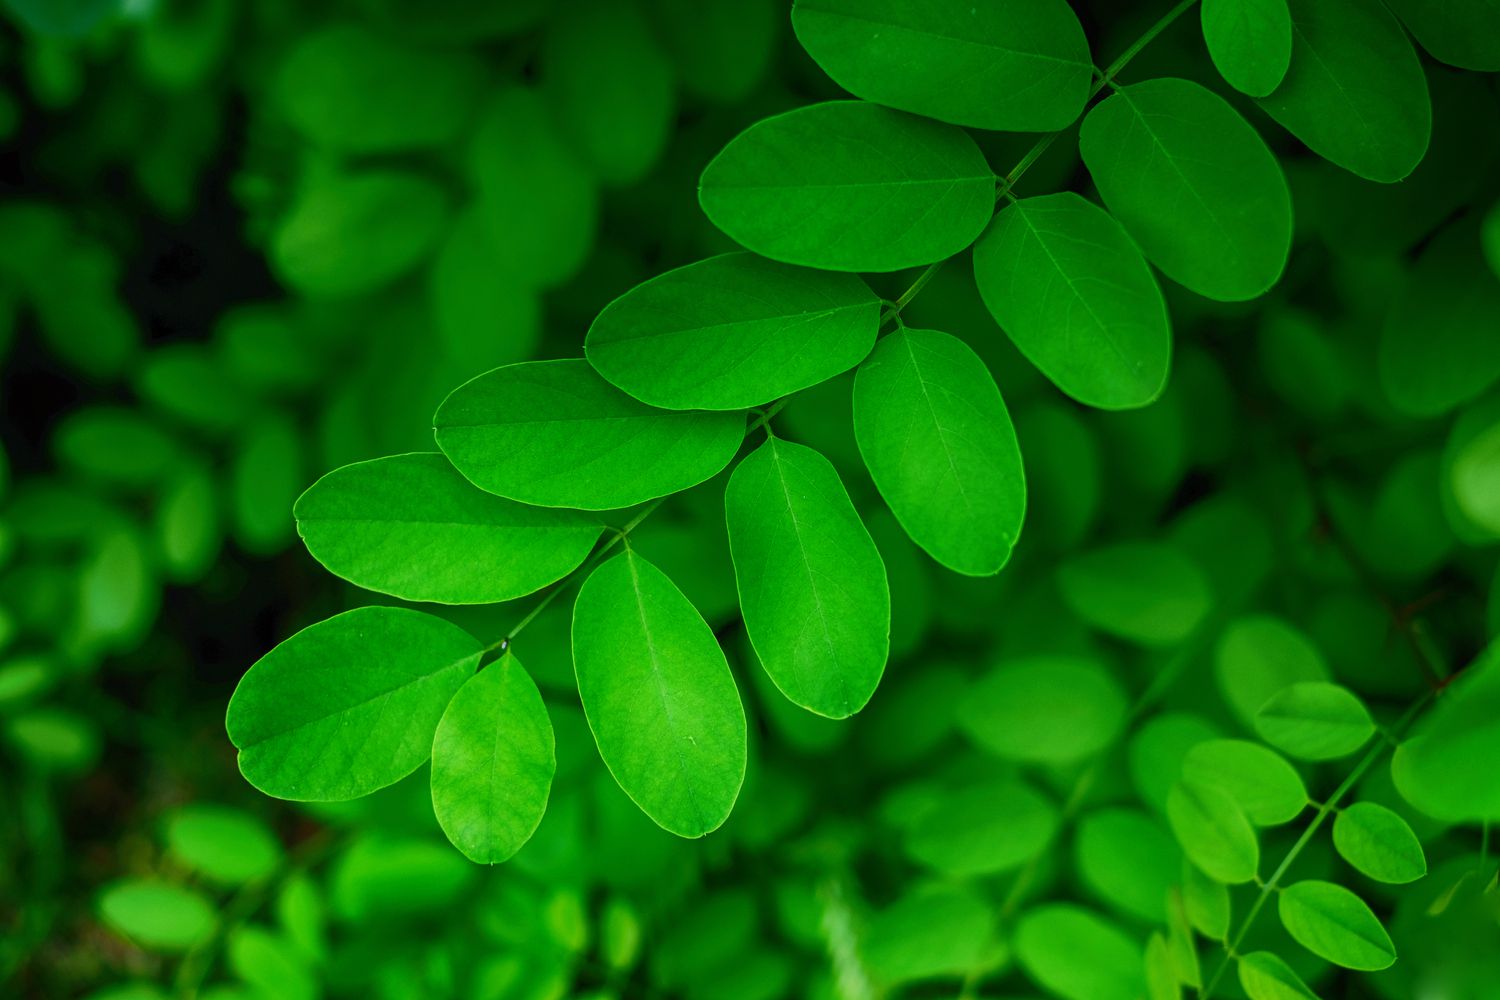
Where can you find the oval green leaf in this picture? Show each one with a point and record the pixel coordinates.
(1259, 655)
(1260, 780)
(1355, 93)
(1146, 592)
(731, 332)
(1073, 293)
(555, 434)
(1266, 977)
(982, 829)
(1335, 924)
(659, 696)
(1445, 768)
(938, 441)
(1250, 42)
(1128, 860)
(226, 845)
(1315, 721)
(812, 584)
(1214, 832)
(492, 763)
(1009, 66)
(1379, 844)
(156, 914)
(412, 527)
(1194, 184)
(348, 705)
(1053, 710)
(850, 186)
(1076, 954)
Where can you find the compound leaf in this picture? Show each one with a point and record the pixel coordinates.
(1335, 924)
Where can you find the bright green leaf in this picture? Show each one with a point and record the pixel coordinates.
(1315, 721)
(1146, 592)
(1266, 977)
(1214, 832)
(1250, 42)
(225, 844)
(1379, 843)
(1161, 972)
(1260, 780)
(1206, 902)
(1078, 955)
(1444, 767)
(1045, 710)
(983, 828)
(158, 915)
(1258, 656)
(1128, 859)
(1335, 924)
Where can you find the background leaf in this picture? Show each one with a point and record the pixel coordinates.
(1148, 593)
(1076, 954)
(1046, 709)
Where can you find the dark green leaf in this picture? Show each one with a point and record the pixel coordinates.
(1444, 768)
(1335, 924)
(1462, 33)
(1250, 42)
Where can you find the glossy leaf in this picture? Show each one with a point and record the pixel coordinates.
(812, 585)
(982, 829)
(1076, 954)
(1145, 592)
(1355, 93)
(1266, 977)
(1073, 293)
(492, 763)
(1250, 42)
(348, 705)
(1260, 780)
(939, 444)
(412, 527)
(1194, 184)
(554, 434)
(731, 332)
(1379, 843)
(1010, 66)
(1335, 924)
(1214, 832)
(659, 696)
(850, 186)
(1047, 709)
(1315, 721)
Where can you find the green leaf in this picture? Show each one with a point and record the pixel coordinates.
(1315, 721)
(1214, 832)
(1260, 655)
(1055, 710)
(270, 964)
(982, 829)
(1250, 42)
(1146, 592)
(732, 331)
(1074, 295)
(117, 447)
(492, 763)
(412, 527)
(1379, 843)
(659, 696)
(812, 585)
(1266, 977)
(939, 444)
(1076, 954)
(1335, 924)
(850, 186)
(157, 915)
(227, 845)
(1260, 780)
(722, 51)
(555, 434)
(1009, 66)
(1355, 93)
(1161, 972)
(1128, 859)
(1194, 184)
(1474, 476)
(1206, 902)
(1464, 33)
(932, 930)
(348, 705)
(265, 476)
(1444, 768)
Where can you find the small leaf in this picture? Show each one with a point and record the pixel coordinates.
(225, 844)
(982, 829)
(732, 331)
(1206, 902)
(1266, 977)
(492, 763)
(1214, 832)
(1250, 42)
(1260, 780)
(1008, 66)
(1355, 93)
(1073, 293)
(812, 585)
(412, 527)
(1077, 954)
(348, 705)
(1315, 721)
(555, 434)
(1146, 592)
(1463, 33)
(1194, 184)
(1054, 710)
(1379, 843)
(1335, 924)
(1161, 972)
(659, 696)
(1128, 859)
(1260, 655)
(850, 186)
(939, 444)
(157, 915)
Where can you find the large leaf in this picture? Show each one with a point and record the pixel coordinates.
(732, 331)
(939, 444)
(492, 763)
(555, 434)
(1355, 92)
(412, 527)
(1194, 184)
(1463, 33)
(659, 696)
(1335, 924)
(1314, 720)
(348, 705)
(812, 584)
(1379, 843)
(1073, 293)
(850, 186)
(1250, 42)
(1009, 65)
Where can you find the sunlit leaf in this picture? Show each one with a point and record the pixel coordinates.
(1335, 924)
(1379, 843)
(1315, 721)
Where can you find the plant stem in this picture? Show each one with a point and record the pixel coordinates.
(1272, 884)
